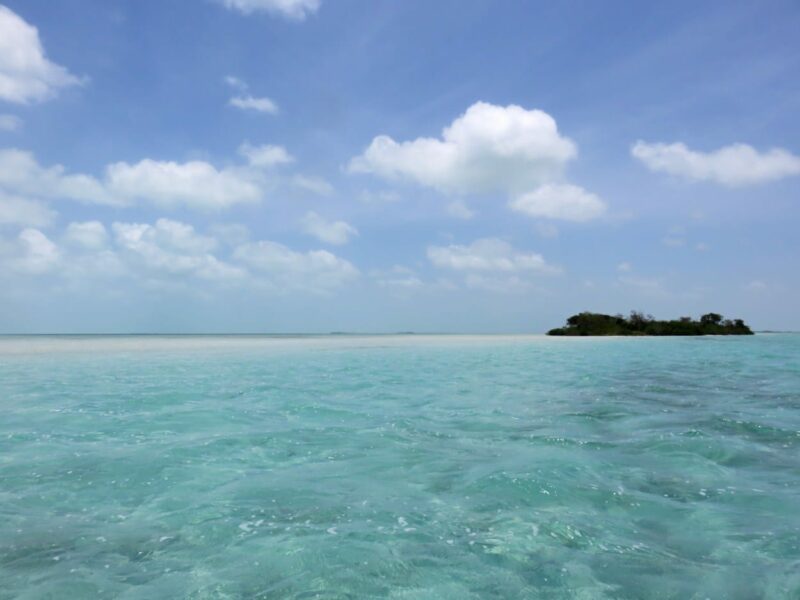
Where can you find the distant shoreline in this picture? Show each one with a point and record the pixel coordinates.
(20, 345)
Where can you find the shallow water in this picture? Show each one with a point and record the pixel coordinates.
(401, 467)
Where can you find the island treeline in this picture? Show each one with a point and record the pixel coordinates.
(588, 323)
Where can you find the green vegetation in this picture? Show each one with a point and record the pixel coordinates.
(587, 323)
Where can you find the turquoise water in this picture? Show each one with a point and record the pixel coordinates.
(400, 467)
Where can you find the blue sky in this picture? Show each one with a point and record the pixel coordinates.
(344, 165)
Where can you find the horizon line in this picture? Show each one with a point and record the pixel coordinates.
(307, 334)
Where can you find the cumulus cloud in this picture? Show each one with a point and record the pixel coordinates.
(169, 253)
(26, 75)
(91, 235)
(292, 9)
(244, 100)
(559, 201)
(286, 269)
(34, 253)
(21, 174)
(487, 149)
(734, 166)
(487, 255)
(331, 232)
(166, 233)
(195, 184)
(247, 102)
(236, 82)
(10, 123)
(81, 252)
(172, 248)
(15, 210)
(266, 155)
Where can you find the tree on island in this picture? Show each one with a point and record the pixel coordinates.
(588, 323)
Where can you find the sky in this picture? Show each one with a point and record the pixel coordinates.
(380, 166)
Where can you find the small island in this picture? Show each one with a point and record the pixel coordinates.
(588, 323)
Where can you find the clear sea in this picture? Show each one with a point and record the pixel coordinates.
(407, 467)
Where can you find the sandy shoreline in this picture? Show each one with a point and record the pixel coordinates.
(40, 344)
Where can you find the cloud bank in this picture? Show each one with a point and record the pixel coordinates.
(170, 253)
(166, 184)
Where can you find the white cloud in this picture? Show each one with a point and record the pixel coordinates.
(331, 232)
(624, 267)
(194, 184)
(166, 233)
(292, 9)
(36, 254)
(10, 123)
(266, 155)
(559, 201)
(15, 210)
(488, 255)
(286, 269)
(236, 83)
(167, 253)
(91, 235)
(756, 286)
(248, 102)
(26, 75)
(171, 248)
(169, 184)
(460, 210)
(21, 174)
(171, 254)
(733, 166)
(487, 149)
